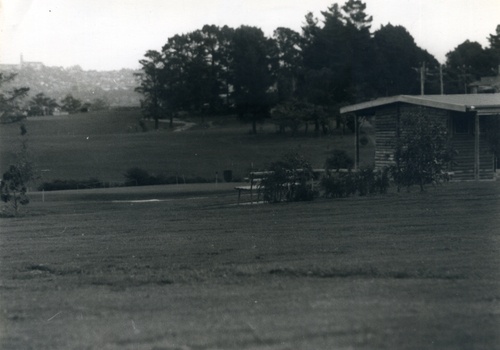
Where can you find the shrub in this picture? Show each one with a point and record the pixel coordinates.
(15, 181)
(338, 185)
(382, 181)
(339, 160)
(287, 180)
(371, 181)
(13, 188)
(137, 177)
(422, 152)
(61, 185)
(367, 181)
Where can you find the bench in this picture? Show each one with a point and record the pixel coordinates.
(254, 179)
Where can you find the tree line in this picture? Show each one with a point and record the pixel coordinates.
(332, 62)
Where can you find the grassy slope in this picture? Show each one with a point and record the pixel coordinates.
(400, 271)
(105, 144)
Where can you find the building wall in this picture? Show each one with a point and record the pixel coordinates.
(385, 135)
(386, 126)
(463, 142)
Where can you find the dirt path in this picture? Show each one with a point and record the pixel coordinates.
(185, 125)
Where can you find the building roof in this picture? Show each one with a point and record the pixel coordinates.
(487, 84)
(482, 103)
(495, 80)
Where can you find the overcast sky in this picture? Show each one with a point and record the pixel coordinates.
(114, 34)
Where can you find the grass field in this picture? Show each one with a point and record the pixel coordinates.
(105, 269)
(104, 145)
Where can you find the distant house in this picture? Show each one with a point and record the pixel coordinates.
(486, 85)
(465, 116)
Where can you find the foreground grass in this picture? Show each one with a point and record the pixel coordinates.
(96, 270)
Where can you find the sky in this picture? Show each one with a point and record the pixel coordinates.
(115, 34)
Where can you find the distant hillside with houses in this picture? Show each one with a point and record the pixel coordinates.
(114, 87)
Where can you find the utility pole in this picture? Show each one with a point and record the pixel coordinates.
(441, 78)
(422, 78)
(465, 75)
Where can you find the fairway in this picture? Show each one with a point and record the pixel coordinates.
(105, 144)
(184, 267)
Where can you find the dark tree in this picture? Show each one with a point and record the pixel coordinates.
(293, 113)
(42, 105)
(465, 64)
(11, 106)
(289, 114)
(190, 74)
(224, 62)
(151, 86)
(71, 104)
(198, 72)
(14, 184)
(339, 58)
(354, 13)
(251, 74)
(493, 52)
(212, 41)
(494, 39)
(13, 188)
(399, 58)
(99, 104)
(214, 66)
(287, 61)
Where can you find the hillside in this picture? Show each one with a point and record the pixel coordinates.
(114, 87)
(105, 144)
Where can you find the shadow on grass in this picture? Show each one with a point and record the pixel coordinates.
(369, 272)
(120, 278)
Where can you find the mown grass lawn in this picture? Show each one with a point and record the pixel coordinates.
(99, 270)
(104, 145)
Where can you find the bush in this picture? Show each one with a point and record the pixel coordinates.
(15, 181)
(137, 177)
(422, 152)
(370, 181)
(339, 160)
(61, 185)
(287, 180)
(382, 181)
(366, 181)
(338, 185)
(13, 188)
